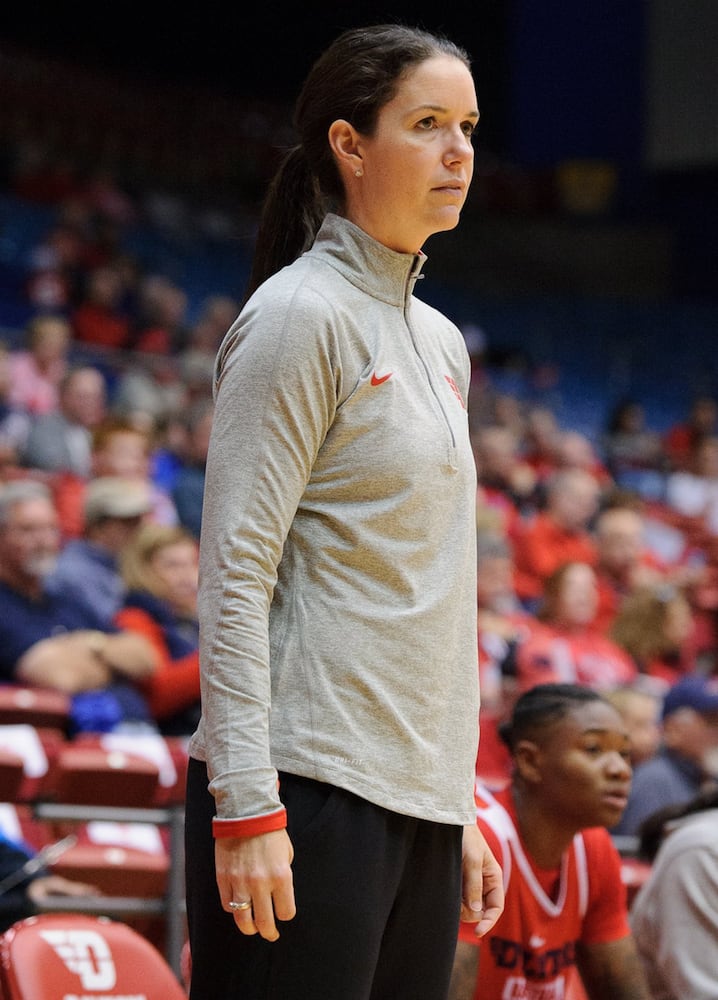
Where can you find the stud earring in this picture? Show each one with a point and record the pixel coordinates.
(358, 172)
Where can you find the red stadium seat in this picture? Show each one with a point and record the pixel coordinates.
(55, 956)
(36, 747)
(12, 774)
(18, 823)
(168, 754)
(173, 792)
(89, 775)
(115, 870)
(39, 707)
(120, 859)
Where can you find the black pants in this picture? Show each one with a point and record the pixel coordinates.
(377, 893)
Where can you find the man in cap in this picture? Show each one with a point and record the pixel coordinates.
(685, 763)
(87, 568)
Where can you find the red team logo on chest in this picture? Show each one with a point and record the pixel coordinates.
(455, 389)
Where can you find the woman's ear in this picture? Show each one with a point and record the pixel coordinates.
(344, 143)
(527, 761)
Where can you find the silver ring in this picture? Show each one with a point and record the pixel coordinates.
(244, 904)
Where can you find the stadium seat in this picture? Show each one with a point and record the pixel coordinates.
(36, 748)
(171, 793)
(54, 956)
(168, 754)
(18, 823)
(120, 859)
(39, 707)
(115, 870)
(89, 775)
(12, 773)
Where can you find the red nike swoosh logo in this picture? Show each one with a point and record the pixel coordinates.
(378, 379)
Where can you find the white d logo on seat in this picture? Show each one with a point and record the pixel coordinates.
(86, 953)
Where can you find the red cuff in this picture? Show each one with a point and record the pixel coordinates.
(251, 827)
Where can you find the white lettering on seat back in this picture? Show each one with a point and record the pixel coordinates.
(87, 954)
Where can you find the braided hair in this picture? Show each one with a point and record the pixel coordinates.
(540, 707)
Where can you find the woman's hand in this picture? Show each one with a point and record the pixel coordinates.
(257, 870)
(482, 900)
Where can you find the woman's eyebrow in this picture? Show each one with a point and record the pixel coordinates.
(442, 110)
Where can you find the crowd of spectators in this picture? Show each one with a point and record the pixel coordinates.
(105, 411)
(597, 566)
(598, 557)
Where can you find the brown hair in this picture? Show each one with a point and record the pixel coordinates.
(553, 589)
(639, 626)
(113, 425)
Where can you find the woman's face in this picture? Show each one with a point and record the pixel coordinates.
(123, 454)
(584, 766)
(417, 166)
(578, 597)
(176, 567)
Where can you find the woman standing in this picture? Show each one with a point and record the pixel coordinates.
(338, 580)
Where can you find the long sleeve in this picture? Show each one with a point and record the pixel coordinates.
(275, 401)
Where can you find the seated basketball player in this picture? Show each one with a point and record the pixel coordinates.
(565, 912)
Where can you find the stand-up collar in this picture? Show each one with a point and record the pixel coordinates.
(368, 264)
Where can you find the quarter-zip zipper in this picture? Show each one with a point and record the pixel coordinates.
(411, 280)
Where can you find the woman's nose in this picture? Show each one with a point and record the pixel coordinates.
(459, 147)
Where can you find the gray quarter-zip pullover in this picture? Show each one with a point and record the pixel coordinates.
(338, 552)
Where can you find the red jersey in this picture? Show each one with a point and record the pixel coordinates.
(552, 655)
(530, 953)
(541, 547)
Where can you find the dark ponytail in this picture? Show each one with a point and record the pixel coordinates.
(291, 215)
(354, 78)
